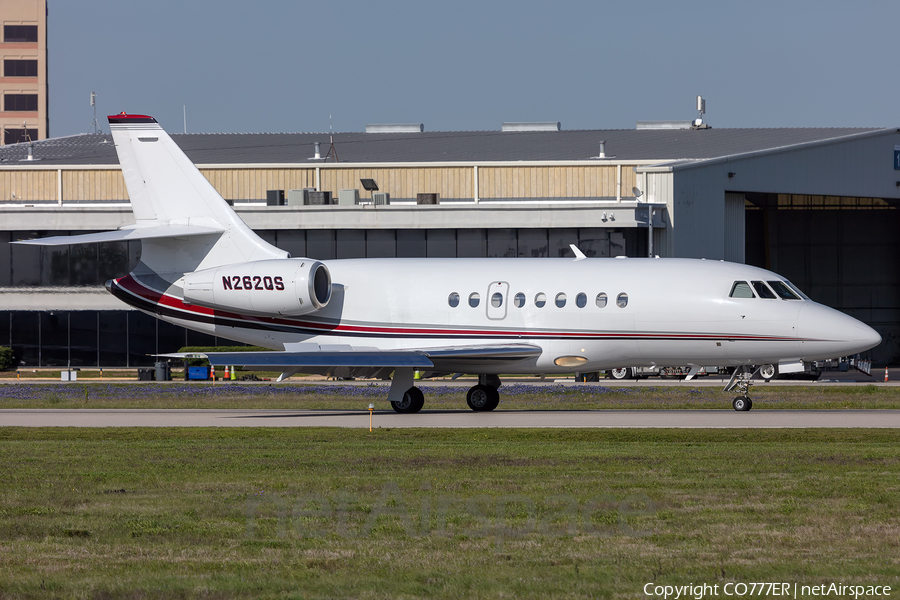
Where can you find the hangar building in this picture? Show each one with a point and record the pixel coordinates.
(818, 206)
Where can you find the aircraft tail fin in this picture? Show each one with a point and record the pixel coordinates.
(168, 191)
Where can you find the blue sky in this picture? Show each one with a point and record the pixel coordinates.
(267, 65)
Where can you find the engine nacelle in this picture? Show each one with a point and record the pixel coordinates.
(290, 287)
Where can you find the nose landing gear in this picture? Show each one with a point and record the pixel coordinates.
(740, 380)
(742, 403)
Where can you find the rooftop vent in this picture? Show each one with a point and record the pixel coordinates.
(544, 126)
(695, 124)
(664, 124)
(396, 128)
(602, 154)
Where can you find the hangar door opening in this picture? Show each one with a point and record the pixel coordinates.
(842, 251)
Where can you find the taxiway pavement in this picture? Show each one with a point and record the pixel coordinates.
(698, 419)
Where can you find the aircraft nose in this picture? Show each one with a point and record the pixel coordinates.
(828, 333)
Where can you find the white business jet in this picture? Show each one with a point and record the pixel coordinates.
(204, 269)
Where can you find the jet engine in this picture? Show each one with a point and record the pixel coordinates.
(289, 287)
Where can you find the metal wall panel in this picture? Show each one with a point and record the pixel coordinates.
(735, 227)
(697, 213)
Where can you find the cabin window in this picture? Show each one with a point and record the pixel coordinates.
(783, 291)
(560, 300)
(519, 300)
(540, 300)
(622, 300)
(601, 300)
(581, 300)
(763, 291)
(453, 300)
(474, 299)
(741, 289)
(496, 299)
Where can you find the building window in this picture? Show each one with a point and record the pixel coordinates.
(20, 102)
(20, 33)
(15, 136)
(20, 68)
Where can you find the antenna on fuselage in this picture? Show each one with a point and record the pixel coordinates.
(579, 255)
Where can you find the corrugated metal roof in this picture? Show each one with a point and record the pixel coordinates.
(456, 146)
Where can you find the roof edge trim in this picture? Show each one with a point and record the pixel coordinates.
(669, 166)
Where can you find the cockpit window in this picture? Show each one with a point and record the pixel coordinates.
(796, 290)
(783, 291)
(741, 289)
(763, 290)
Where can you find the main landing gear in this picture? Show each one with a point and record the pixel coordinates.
(483, 397)
(412, 402)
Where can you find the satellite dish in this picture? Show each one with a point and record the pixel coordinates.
(637, 193)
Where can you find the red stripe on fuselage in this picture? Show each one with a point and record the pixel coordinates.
(136, 288)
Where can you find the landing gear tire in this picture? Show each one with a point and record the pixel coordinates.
(482, 398)
(412, 402)
(621, 373)
(768, 372)
(742, 404)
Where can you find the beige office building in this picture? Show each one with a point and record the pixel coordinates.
(23, 80)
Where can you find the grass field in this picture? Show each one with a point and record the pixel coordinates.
(322, 513)
(517, 396)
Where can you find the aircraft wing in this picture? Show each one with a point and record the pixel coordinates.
(349, 358)
(353, 361)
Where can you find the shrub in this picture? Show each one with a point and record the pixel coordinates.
(7, 360)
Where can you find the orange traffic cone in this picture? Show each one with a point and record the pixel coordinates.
(212, 373)
(227, 376)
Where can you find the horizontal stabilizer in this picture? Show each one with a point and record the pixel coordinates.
(124, 235)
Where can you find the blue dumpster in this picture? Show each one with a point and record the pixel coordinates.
(196, 373)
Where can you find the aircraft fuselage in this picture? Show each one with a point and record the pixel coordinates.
(585, 315)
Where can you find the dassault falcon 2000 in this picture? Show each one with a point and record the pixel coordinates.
(203, 268)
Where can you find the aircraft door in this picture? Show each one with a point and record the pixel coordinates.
(497, 297)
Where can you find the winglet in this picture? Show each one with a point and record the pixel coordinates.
(579, 255)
